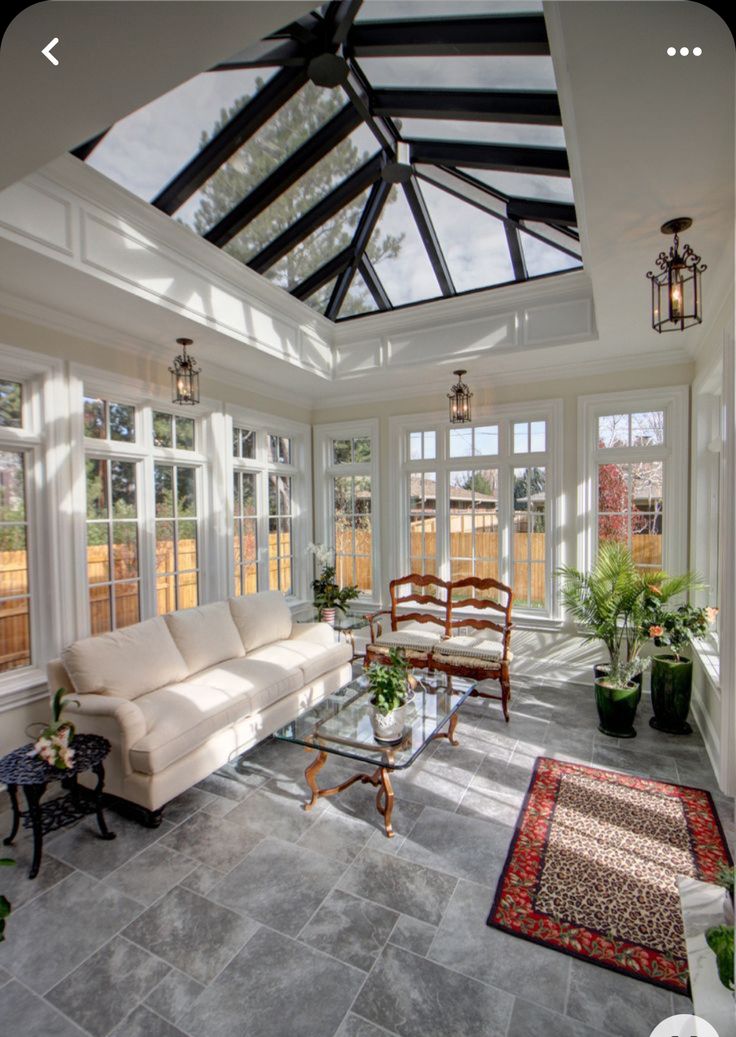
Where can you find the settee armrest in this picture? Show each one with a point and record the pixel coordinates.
(372, 618)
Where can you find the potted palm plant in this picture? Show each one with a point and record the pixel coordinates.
(605, 602)
(391, 690)
(672, 673)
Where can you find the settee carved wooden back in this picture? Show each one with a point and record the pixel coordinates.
(490, 597)
(403, 592)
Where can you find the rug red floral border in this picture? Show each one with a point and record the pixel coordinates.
(553, 830)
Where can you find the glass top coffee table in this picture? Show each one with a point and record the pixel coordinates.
(341, 725)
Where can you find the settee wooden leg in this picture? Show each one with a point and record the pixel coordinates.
(505, 695)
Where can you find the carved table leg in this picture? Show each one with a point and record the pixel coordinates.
(33, 795)
(449, 734)
(311, 775)
(13, 793)
(99, 770)
(385, 801)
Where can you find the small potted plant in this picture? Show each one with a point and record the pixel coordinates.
(672, 673)
(328, 595)
(391, 689)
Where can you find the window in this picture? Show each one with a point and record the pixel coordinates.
(176, 537)
(170, 430)
(477, 500)
(113, 574)
(633, 485)
(707, 522)
(268, 483)
(15, 601)
(11, 404)
(346, 504)
(107, 420)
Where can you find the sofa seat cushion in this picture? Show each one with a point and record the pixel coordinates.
(484, 649)
(261, 618)
(126, 663)
(181, 717)
(412, 638)
(205, 635)
(309, 658)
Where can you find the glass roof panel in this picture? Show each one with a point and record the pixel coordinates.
(388, 10)
(525, 185)
(318, 300)
(397, 252)
(321, 245)
(473, 242)
(143, 151)
(541, 258)
(326, 174)
(297, 120)
(482, 132)
(358, 299)
(505, 72)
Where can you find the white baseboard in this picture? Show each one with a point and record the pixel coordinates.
(710, 735)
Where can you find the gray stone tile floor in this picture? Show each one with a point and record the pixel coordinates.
(245, 916)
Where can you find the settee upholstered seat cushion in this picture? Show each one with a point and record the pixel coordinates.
(126, 663)
(310, 660)
(261, 618)
(410, 638)
(472, 648)
(205, 635)
(181, 717)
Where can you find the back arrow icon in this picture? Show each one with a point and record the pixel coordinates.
(47, 51)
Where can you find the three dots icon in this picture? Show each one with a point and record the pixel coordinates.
(684, 51)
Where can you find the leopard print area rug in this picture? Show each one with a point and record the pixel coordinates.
(592, 867)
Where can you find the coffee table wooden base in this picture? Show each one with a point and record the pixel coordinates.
(379, 778)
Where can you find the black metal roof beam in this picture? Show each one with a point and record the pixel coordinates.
(340, 17)
(83, 151)
(360, 93)
(514, 158)
(440, 37)
(374, 284)
(306, 29)
(517, 256)
(322, 142)
(265, 54)
(232, 136)
(324, 275)
(539, 107)
(361, 238)
(544, 211)
(317, 215)
(429, 237)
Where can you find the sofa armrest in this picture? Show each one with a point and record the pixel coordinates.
(118, 720)
(318, 633)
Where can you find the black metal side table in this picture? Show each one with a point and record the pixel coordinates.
(34, 775)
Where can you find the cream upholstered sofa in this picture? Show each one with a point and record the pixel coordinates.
(179, 695)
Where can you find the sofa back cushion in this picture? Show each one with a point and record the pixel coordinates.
(261, 618)
(126, 663)
(205, 635)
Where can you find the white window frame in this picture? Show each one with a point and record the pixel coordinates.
(401, 467)
(47, 479)
(300, 472)
(707, 480)
(326, 470)
(674, 401)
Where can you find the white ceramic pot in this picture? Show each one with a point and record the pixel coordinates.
(388, 727)
(328, 616)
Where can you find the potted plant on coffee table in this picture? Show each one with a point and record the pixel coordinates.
(672, 673)
(391, 689)
(328, 595)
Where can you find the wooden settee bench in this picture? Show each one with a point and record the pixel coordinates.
(438, 611)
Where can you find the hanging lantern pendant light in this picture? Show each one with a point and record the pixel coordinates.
(184, 376)
(459, 397)
(676, 289)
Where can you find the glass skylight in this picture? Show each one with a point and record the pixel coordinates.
(287, 176)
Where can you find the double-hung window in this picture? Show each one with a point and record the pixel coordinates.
(634, 479)
(479, 499)
(268, 507)
(16, 463)
(176, 511)
(347, 502)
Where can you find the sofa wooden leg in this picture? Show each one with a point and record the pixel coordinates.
(133, 811)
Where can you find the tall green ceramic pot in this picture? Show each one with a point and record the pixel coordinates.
(672, 685)
(616, 708)
(601, 669)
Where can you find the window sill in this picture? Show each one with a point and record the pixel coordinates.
(708, 655)
(21, 688)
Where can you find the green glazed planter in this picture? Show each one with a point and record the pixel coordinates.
(616, 709)
(672, 684)
(601, 669)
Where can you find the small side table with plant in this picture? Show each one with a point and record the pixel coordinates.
(58, 754)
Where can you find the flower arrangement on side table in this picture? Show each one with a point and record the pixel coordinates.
(53, 744)
(328, 595)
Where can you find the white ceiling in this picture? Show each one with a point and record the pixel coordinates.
(649, 137)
